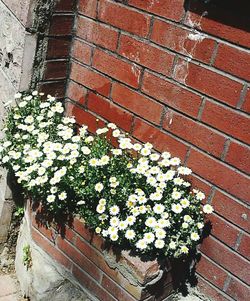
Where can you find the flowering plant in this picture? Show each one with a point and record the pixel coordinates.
(131, 195)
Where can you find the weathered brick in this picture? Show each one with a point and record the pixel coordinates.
(117, 68)
(226, 258)
(79, 259)
(147, 55)
(91, 79)
(82, 52)
(64, 6)
(61, 25)
(87, 8)
(244, 248)
(50, 249)
(58, 48)
(88, 283)
(96, 33)
(192, 44)
(170, 9)
(56, 88)
(161, 141)
(211, 291)
(246, 105)
(83, 117)
(200, 184)
(238, 290)
(232, 210)
(219, 174)
(231, 24)
(55, 70)
(137, 103)
(76, 92)
(109, 111)
(194, 132)
(227, 120)
(128, 20)
(172, 95)
(116, 290)
(223, 230)
(237, 61)
(212, 272)
(239, 156)
(208, 82)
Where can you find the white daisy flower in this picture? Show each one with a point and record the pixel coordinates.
(99, 187)
(208, 209)
(114, 210)
(159, 243)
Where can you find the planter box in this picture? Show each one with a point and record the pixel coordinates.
(107, 275)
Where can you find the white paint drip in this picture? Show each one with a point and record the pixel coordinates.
(196, 36)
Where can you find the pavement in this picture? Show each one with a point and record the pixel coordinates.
(8, 288)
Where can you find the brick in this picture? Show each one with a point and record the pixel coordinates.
(48, 232)
(117, 68)
(219, 174)
(64, 6)
(143, 271)
(58, 48)
(231, 24)
(55, 70)
(238, 290)
(137, 103)
(193, 44)
(110, 112)
(161, 141)
(82, 52)
(56, 88)
(50, 249)
(83, 117)
(244, 248)
(82, 230)
(172, 95)
(97, 33)
(208, 82)
(87, 8)
(227, 120)
(226, 258)
(239, 156)
(237, 61)
(209, 290)
(170, 9)
(246, 104)
(61, 25)
(116, 290)
(90, 79)
(129, 19)
(223, 230)
(232, 210)
(87, 282)
(147, 55)
(211, 272)
(200, 184)
(194, 132)
(79, 259)
(77, 92)
(95, 256)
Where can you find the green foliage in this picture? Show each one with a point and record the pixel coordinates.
(131, 195)
(27, 259)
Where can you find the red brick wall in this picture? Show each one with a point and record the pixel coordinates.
(175, 74)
